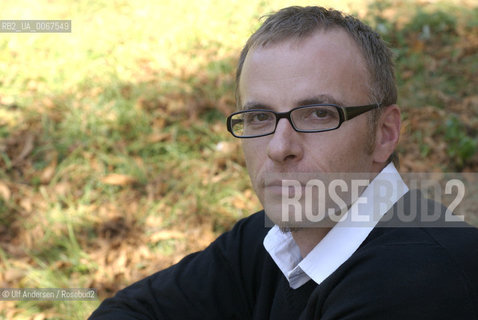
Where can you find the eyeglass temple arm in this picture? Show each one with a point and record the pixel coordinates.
(352, 112)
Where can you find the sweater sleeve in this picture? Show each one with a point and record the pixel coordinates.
(204, 285)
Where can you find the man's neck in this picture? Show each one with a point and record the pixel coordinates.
(307, 238)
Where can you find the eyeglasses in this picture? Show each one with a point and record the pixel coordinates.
(311, 118)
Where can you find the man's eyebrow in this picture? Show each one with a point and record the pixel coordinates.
(319, 99)
(255, 105)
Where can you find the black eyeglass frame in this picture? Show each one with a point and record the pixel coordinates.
(345, 113)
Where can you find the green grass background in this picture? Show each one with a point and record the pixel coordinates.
(114, 156)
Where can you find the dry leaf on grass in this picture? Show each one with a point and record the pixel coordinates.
(165, 235)
(5, 192)
(47, 174)
(27, 148)
(116, 179)
(159, 137)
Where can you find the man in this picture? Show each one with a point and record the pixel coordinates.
(316, 94)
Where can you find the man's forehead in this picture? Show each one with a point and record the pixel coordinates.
(333, 44)
(328, 54)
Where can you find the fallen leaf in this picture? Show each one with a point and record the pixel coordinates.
(14, 275)
(26, 204)
(48, 173)
(158, 137)
(27, 148)
(165, 235)
(116, 179)
(5, 192)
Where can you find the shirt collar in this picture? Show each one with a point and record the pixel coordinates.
(341, 241)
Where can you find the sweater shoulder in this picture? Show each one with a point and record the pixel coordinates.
(248, 232)
(407, 272)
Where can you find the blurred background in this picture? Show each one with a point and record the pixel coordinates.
(114, 157)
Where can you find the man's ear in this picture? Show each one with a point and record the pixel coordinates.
(387, 133)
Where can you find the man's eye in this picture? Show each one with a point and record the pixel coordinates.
(259, 117)
(263, 116)
(321, 113)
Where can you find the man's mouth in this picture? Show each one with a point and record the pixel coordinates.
(288, 188)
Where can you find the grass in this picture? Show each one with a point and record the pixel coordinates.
(114, 158)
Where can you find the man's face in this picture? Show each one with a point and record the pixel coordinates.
(326, 67)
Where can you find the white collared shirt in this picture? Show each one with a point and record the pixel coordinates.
(340, 242)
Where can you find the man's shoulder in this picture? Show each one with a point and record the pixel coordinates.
(249, 231)
(461, 247)
(422, 269)
(455, 238)
(446, 257)
(451, 242)
(253, 224)
(255, 221)
(417, 222)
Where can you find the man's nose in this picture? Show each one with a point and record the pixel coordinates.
(285, 144)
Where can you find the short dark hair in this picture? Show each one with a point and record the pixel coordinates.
(301, 22)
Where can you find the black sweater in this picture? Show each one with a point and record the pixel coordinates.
(397, 273)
